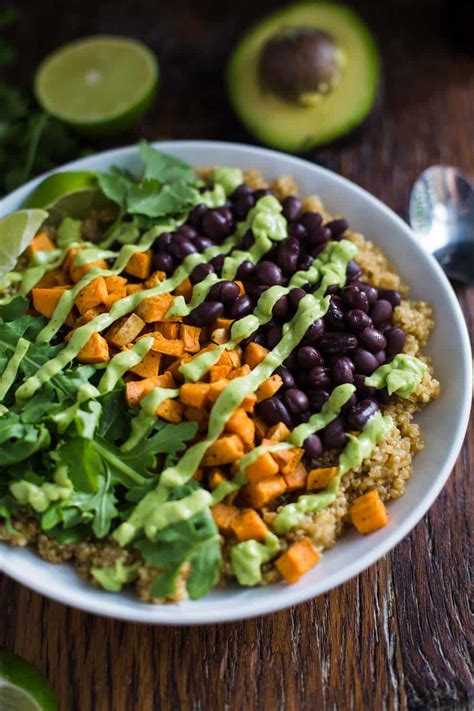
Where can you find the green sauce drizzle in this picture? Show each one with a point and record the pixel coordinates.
(329, 411)
(9, 374)
(122, 362)
(248, 557)
(401, 376)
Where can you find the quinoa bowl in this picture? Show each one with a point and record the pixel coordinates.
(390, 472)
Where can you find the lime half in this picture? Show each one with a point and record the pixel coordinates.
(99, 85)
(16, 232)
(22, 687)
(58, 186)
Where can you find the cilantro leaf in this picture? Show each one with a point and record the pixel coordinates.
(149, 199)
(164, 167)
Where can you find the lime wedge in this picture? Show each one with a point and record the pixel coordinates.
(22, 687)
(99, 85)
(58, 186)
(16, 232)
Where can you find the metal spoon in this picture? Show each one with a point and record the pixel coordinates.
(441, 211)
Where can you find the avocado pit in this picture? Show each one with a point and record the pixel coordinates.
(301, 65)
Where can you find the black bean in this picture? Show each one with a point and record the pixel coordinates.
(242, 206)
(370, 291)
(314, 332)
(337, 227)
(291, 208)
(354, 298)
(240, 191)
(181, 247)
(247, 240)
(390, 295)
(342, 370)
(350, 403)
(318, 377)
(317, 398)
(353, 270)
(273, 411)
(372, 339)
(296, 400)
(381, 312)
(217, 262)
(364, 361)
(301, 417)
(288, 254)
(273, 336)
(335, 317)
(215, 225)
(226, 213)
(360, 414)
(225, 291)
(334, 435)
(164, 240)
(268, 273)
(245, 270)
(257, 291)
(357, 320)
(281, 307)
(295, 296)
(196, 215)
(318, 239)
(206, 313)
(338, 343)
(200, 272)
(164, 262)
(241, 307)
(305, 262)
(363, 390)
(313, 447)
(308, 357)
(383, 397)
(380, 357)
(202, 243)
(261, 193)
(296, 229)
(395, 338)
(312, 222)
(290, 362)
(286, 376)
(187, 231)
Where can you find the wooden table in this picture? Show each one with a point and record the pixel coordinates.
(395, 637)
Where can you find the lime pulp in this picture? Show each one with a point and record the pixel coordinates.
(16, 232)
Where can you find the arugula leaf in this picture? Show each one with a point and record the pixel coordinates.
(84, 463)
(19, 441)
(101, 504)
(164, 584)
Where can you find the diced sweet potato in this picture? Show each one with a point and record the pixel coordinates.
(92, 295)
(167, 346)
(223, 515)
(368, 512)
(241, 286)
(297, 560)
(41, 243)
(216, 476)
(154, 308)
(149, 365)
(220, 336)
(269, 387)
(296, 479)
(136, 390)
(249, 401)
(139, 265)
(77, 273)
(46, 300)
(199, 415)
(239, 423)
(110, 299)
(239, 372)
(254, 354)
(114, 283)
(176, 365)
(260, 428)
(154, 279)
(279, 432)
(194, 394)
(89, 315)
(56, 277)
(264, 491)
(165, 380)
(222, 322)
(170, 410)
(184, 289)
(218, 372)
(249, 525)
(320, 478)
(224, 450)
(125, 330)
(190, 337)
(198, 474)
(216, 388)
(230, 357)
(96, 350)
(264, 467)
(288, 459)
(168, 329)
(133, 288)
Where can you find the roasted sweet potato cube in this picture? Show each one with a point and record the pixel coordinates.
(167, 346)
(168, 329)
(239, 423)
(216, 388)
(288, 459)
(154, 279)
(56, 277)
(230, 357)
(184, 289)
(77, 273)
(220, 336)
(239, 372)
(296, 479)
(199, 415)
(278, 433)
(154, 308)
(222, 322)
(46, 300)
(125, 330)
(190, 337)
(249, 401)
(224, 450)
(170, 410)
(223, 515)
(176, 365)
(260, 428)
(254, 354)
(149, 365)
(264, 491)
(165, 380)
(92, 295)
(249, 525)
(265, 467)
(269, 387)
(139, 265)
(41, 243)
(96, 350)
(89, 315)
(195, 394)
(218, 372)
(368, 512)
(115, 282)
(216, 476)
(297, 560)
(320, 478)
(136, 390)
(133, 288)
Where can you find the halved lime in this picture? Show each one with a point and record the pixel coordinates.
(22, 687)
(58, 186)
(99, 85)
(16, 232)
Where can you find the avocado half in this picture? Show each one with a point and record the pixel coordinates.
(304, 76)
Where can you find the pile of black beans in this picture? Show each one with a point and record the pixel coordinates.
(348, 344)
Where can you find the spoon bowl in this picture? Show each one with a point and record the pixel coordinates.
(441, 212)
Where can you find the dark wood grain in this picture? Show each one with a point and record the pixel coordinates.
(396, 637)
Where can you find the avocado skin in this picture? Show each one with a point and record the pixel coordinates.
(350, 119)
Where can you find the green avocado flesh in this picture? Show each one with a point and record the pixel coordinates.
(289, 125)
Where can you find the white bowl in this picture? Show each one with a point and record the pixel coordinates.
(444, 422)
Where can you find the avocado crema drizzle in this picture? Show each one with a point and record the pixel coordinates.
(155, 512)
